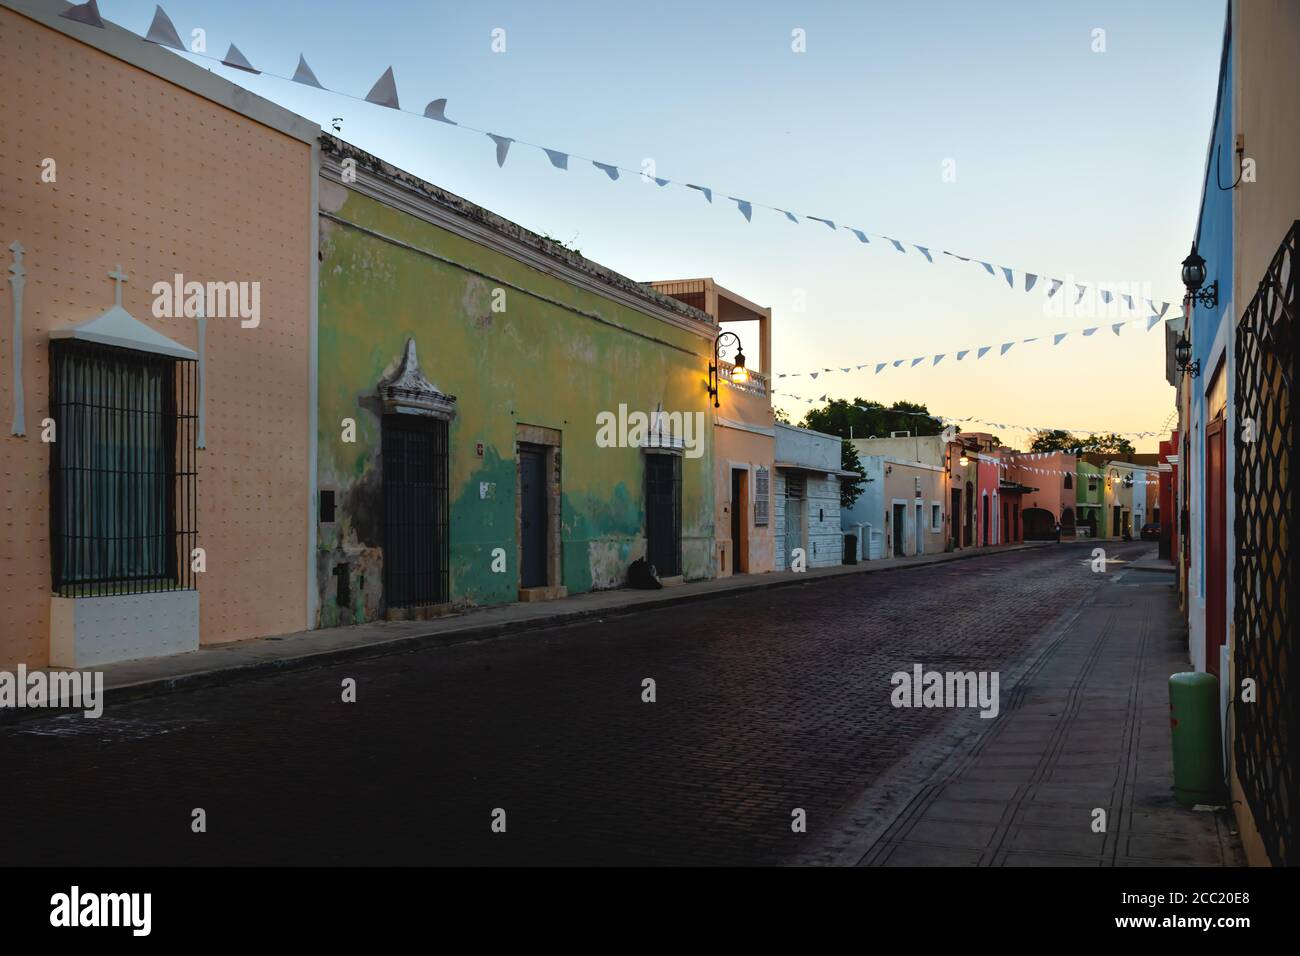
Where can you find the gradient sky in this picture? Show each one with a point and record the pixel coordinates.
(1068, 162)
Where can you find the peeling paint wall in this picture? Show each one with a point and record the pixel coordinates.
(515, 345)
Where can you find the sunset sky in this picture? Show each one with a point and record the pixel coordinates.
(1069, 163)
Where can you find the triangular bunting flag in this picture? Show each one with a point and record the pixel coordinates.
(938, 358)
(1030, 279)
(879, 366)
(1056, 284)
(238, 60)
(898, 362)
(1087, 332)
(1006, 347)
(1152, 321)
(791, 216)
(1116, 327)
(306, 77)
(1011, 279)
(982, 349)
(1106, 296)
(1082, 289)
(897, 245)
(661, 182)
(503, 147)
(558, 159)
(437, 110)
(384, 92)
(962, 354)
(708, 193)
(746, 209)
(813, 374)
(917, 361)
(862, 236)
(1128, 300)
(955, 256)
(611, 171)
(926, 252)
(988, 266)
(1056, 339)
(820, 219)
(87, 13)
(162, 31)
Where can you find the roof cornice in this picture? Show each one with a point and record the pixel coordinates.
(407, 193)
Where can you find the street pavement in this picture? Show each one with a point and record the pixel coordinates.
(767, 703)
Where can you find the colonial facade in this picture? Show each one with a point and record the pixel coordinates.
(744, 438)
(808, 476)
(500, 419)
(158, 330)
(1234, 366)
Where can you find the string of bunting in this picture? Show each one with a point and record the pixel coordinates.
(1005, 426)
(384, 93)
(1056, 339)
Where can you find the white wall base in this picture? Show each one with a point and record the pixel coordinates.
(89, 631)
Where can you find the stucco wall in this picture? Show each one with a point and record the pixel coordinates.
(901, 487)
(736, 448)
(821, 521)
(163, 181)
(555, 357)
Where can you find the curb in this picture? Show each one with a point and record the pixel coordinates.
(199, 680)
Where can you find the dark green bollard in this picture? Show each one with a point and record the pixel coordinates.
(1198, 743)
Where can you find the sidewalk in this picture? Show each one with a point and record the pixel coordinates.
(216, 664)
(1085, 725)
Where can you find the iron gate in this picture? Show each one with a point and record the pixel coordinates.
(663, 513)
(1264, 574)
(415, 511)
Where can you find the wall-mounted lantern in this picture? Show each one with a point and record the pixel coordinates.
(739, 374)
(1183, 357)
(1194, 277)
(963, 460)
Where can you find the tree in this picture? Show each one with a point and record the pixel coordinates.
(780, 415)
(869, 419)
(850, 488)
(1054, 440)
(1109, 444)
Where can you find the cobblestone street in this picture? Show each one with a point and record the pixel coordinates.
(766, 702)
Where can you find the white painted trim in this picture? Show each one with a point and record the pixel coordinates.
(119, 328)
(913, 464)
(721, 422)
(17, 279)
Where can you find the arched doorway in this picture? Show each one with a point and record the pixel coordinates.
(1038, 524)
(984, 534)
(1067, 523)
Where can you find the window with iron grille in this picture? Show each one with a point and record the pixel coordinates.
(762, 493)
(122, 470)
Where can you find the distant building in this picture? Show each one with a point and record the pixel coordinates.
(808, 476)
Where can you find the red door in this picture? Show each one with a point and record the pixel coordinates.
(1216, 547)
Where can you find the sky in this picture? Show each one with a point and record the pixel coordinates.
(1069, 162)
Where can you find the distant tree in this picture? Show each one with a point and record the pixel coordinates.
(1109, 444)
(871, 419)
(850, 488)
(780, 415)
(1053, 440)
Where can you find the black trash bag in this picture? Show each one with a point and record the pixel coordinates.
(642, 574)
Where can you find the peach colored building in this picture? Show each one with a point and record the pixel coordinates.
(156, 467)
(1050, 496)
(744, 433)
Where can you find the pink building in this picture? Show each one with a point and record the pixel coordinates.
(1049, 494)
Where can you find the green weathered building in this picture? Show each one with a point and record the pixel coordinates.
(483, 397)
